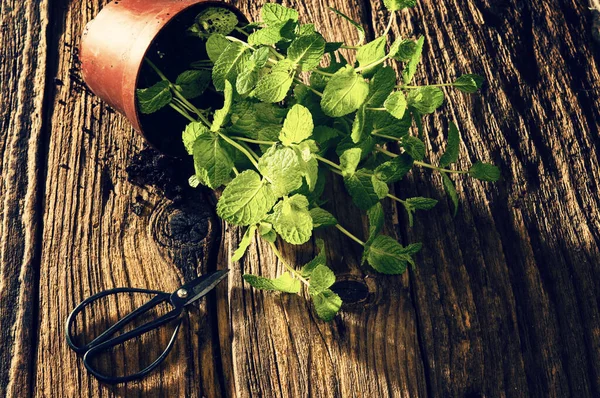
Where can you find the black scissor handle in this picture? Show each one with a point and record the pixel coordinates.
(110, 343)
(157, 299)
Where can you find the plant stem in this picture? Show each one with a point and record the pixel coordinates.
(350, 47)
(320, 94)
(423, 164)
(285, 264)
(389, 195)
(387, 137)
(389, 25)
(242, 31)
(231, 38)
(182, 112)
(250, 150)
(372, 64)
(252, 141)
(328, 162)
(155, 68)
(239, 148)
(428, 85)
(376, 109)
(349, 234)
(386, 152)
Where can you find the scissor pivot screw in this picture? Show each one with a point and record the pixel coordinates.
(182, 293)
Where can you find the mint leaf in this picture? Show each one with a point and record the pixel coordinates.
(320, 259)
(285, 283)
(370, 53)
(451, 191)
(281, 166)
(360, 187)
(246, 200)
(349, 161)
(414, 147)
(248, 117)
(215, 45)
(380, 187)
(359, 124)
(327, 304)
(192, 83)
(222, 115)
(229, 64)
(411, 67)
(468, 83)
(395, 5)
(376, 221)
(291, 219)
(266, 231)
(485, 172)
(260, 56)
(153, 98)
(216, 20)
(274, 86)
(322, 218)
(244, 243)
(321, 278)
(388, 256)
(394, 170)
(212, 160)
(345, 92)
(451, 154)
(191, 132)
(308, 163)
(307, 51)
(306, 29)
(273, 14)
(381, 86)
(425, 99)
(386, 124)
(420, 203)
(297, 127)
(246, 81)
(361, 30)
(403, 49)
(396, 104)
(325, 137)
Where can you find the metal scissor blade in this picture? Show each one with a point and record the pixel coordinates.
(197, 288)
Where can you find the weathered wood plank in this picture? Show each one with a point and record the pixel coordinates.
(23, 50)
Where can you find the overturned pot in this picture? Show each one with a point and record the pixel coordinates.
(116, 42)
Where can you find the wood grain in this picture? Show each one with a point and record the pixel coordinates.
(505, 298)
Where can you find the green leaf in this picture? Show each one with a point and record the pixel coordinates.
(297, 127)
(345, 92)
(216, 20)
(308, 163)
(325, 137)
(307, 51)
(411, 67)
(320, 259)
(229, 64)
(425, 99)
(359, 124)
(468, 83)
(381, 86)
(395, 169)
(222, 115)
(274, 86)
(285, 283)
(420, 203)
(361, 30)
(248, 117)
(153, 98)
(403, 49)
(451, 191)
(370, 53)
(360, 187)
(193, 83)
(281, 166)
(396, 104)
(246, 200)
(349, 161)
(376, 220)
(327, 304)
(291, 219)
(212, 160)
(191, 132)
(485, 172)
(244, 243)
(388, 256)
(451, 154)
(246, 81)
(366, 146)
(215, 45)
(321, 278)
(380, 187)
(395, 5)
(260, 56)
(414, 147)
(386, 124)
(306, 29)
(322, 218)
(266, 231)
(273, 14)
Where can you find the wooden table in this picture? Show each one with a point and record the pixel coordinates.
(505, 298)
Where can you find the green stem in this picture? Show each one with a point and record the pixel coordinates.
(239, 148)
(428, 85)
(387, 137)
(350, 47)
(155, 68)
(376, 109)
(328, 162)
(389, 195)
(423, 164)
(320, 94)
(252, 141)
(285, 264)
(389, 25)
(386, 152)
(182, 112)
(372, 64)
(250, 150)
(349, 234)
(242, 31)
(231, 38)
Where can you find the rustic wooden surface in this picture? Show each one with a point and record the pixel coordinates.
(504, 302)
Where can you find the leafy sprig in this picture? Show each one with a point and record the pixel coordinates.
(294, 109)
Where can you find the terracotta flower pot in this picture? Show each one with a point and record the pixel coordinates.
(113, 47)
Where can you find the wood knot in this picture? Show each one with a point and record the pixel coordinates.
(352, 289)
(182, 225)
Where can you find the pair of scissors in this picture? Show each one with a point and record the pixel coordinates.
(179, 299)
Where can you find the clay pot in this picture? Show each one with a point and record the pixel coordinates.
(112, 51)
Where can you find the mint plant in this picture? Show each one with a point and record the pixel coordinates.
(294, 109)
